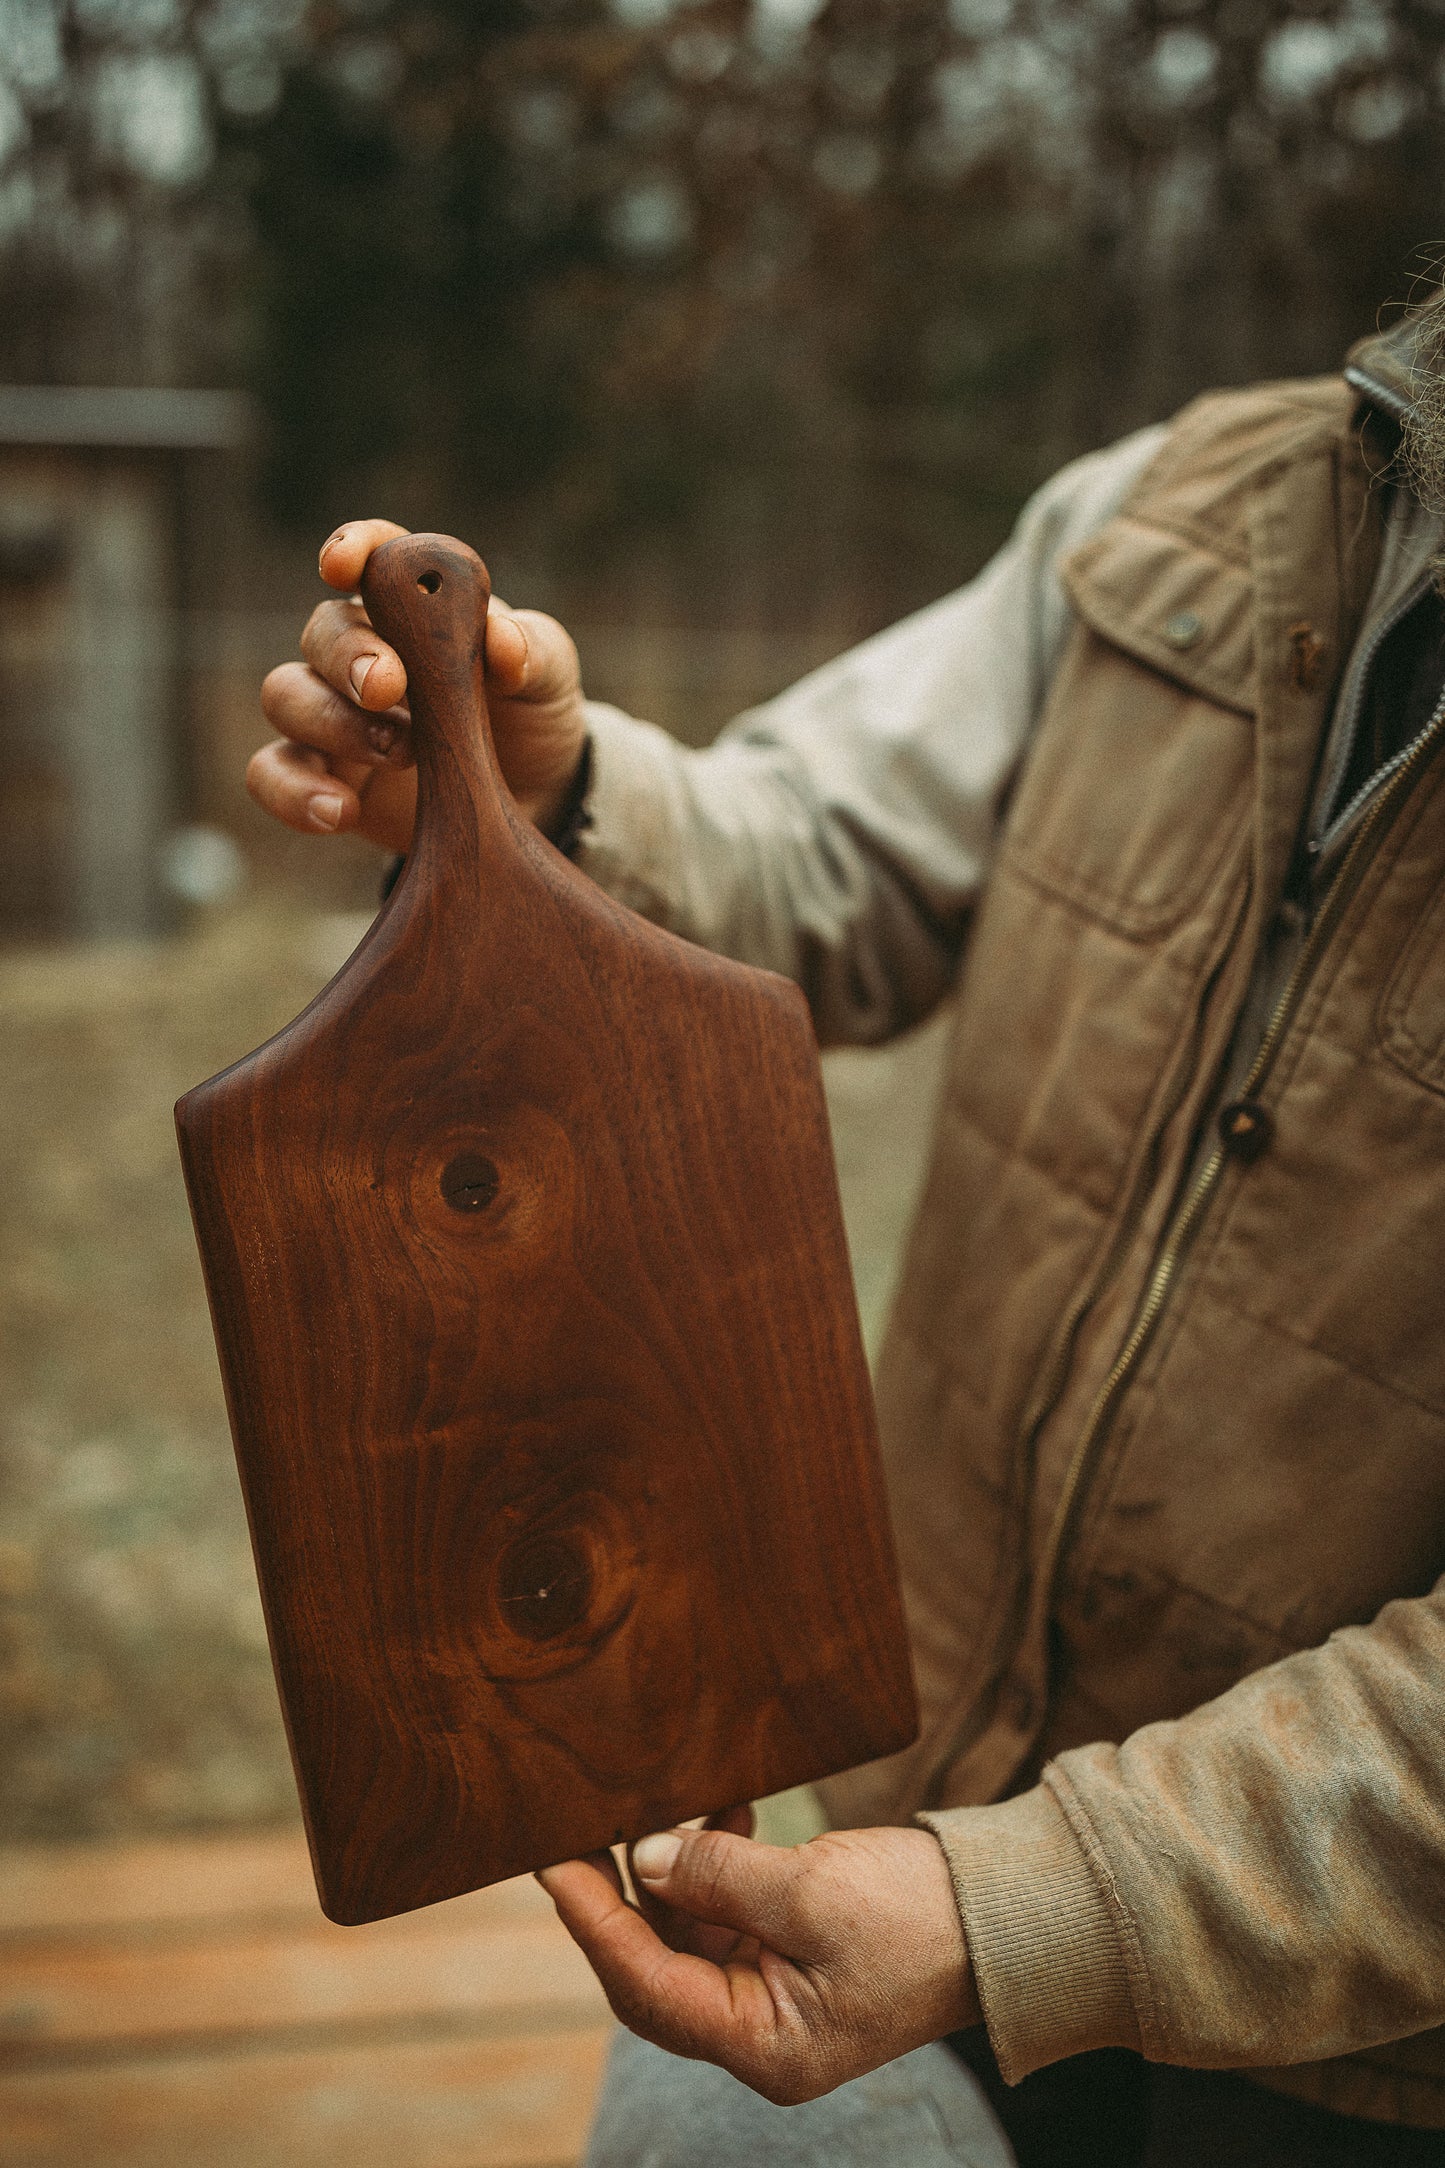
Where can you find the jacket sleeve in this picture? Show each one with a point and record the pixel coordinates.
(1254, 1885)
(840, 834)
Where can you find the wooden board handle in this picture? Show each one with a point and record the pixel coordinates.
(427, 595)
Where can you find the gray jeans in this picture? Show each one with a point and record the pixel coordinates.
(924, 2111)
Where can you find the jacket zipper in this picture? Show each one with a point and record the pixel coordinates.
(1390, 787)
(1344, 732)
(1396, 404)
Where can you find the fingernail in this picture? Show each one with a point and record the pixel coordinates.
(361, 671)
(381, 737)
(325, 810)
(331, 538)
(655, 1857)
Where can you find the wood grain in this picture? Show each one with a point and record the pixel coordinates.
(522, 2103)
(532, 1302)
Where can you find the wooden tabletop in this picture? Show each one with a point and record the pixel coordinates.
(184, 2001)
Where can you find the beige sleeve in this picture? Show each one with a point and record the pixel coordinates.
(1254, 1885)
(841, 833)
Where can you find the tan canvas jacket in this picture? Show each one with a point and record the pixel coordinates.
(1163, 1400)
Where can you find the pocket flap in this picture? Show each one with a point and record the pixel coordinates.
(1171, 604)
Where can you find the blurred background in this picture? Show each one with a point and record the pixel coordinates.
(728, 331)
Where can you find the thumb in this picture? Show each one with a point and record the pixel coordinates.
(530, 656)
(727, 1881)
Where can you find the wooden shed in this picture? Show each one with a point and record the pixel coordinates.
(95, 491)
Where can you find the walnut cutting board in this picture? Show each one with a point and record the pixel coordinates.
(532, 1303)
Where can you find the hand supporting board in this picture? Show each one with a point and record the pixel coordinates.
(530, 1291)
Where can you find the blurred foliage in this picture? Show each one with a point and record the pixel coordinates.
(606, 247)
(626, 253)
(406, 252)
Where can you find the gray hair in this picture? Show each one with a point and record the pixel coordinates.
(1423, 451)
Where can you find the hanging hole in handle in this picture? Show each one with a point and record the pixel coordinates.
(429, 581)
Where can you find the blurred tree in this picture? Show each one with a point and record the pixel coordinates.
(119, 244)
(979, 232)
(623, 246)
(408, 230)
(1260, 180)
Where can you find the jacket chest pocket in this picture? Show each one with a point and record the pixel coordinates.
(1135, 795)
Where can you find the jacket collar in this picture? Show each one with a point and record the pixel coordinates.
(1383, 368)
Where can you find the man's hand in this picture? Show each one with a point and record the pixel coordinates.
(343, 759)
(795, 1970)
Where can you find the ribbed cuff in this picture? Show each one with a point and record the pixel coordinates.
(1047, 1959)
(574, 815)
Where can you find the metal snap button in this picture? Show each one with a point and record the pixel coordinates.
(1184, 629)
(1246, 1128)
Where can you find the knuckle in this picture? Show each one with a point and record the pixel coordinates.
(283, 692)
(331, 626)
(258, 769)
(283, 695)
